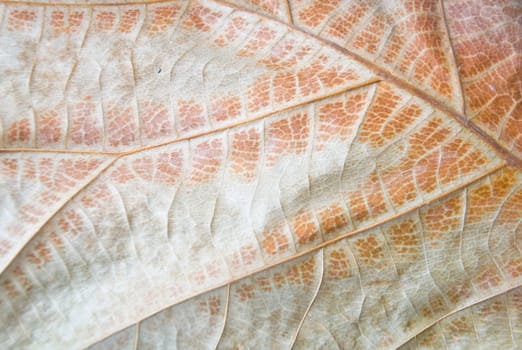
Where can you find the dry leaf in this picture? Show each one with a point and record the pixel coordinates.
(261, 174)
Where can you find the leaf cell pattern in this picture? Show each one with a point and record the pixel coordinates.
(260, 174)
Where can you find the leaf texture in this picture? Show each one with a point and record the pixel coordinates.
(261, 174)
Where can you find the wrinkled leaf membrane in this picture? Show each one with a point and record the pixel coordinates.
(261, 174)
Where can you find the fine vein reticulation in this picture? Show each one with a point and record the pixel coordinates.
(261, 174)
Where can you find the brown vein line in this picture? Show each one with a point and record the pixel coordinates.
(475, 332)
(203, 133)
(507, 304)
(314, 298)
(22, 247)
(453, 55)
(225, 318)
(136, 336)
(399, 82)
(58, 150)
(260, 117)
(289, 12)
(94, 4)
(464, 307)
(313, 249)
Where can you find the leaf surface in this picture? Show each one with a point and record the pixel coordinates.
(260, 174)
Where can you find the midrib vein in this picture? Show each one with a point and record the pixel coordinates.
(453, 55)
(93, 4)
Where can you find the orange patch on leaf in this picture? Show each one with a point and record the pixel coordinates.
(284, 87)
(169, 167)
(246, 256)
(308, 77)
(271, 6)
(428, 137)
(79, 168)
(338, 265)
(274, 241)
(122, 127)
(370, 38)
(94, 196)
(435, 307)
(245, 153)
(22, 279)
(400, 121)
(21, 20)
(400, 184)
(19, 131)
(122, 174)
(314, 14)
(445, 216)
(485, 199)
(301, 273)
(105, 20)
(61, 26)
(49, 128)
(71, 223)
(460, 326)
(212, 305)
(128, 20)
(40, 255)
(155, 120)
(404, 238)
(264, 283)
(280, 57)
(489, 57)
(489, 278)
(163, 17)
(367, 202)
(514, 268)
(258, 94)
(287, 136)
(245, 292)
(10, 288)
(9, 167)
(85, 129)
(461, 159)
(207, 158)
(305, 228)
(333, 218)
(31, 214)
(379, 113)
(201, 18)
(338, 119)
(370, 250)
(343, 24)
(231, 31)
(257, 42)
(144, 167)
(190, 115)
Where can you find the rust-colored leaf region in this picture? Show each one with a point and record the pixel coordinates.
(261, 174)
